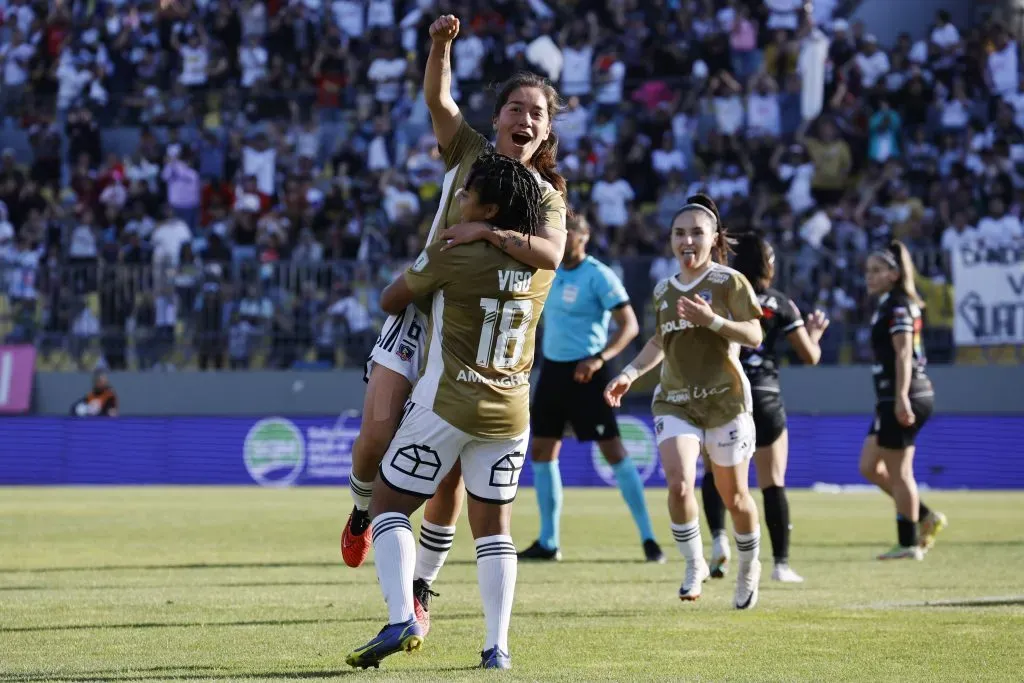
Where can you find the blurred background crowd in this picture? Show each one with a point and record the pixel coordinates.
(229, 183)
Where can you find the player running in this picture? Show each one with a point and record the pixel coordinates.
(755, 259)
(525, 109)
(704, 314)
(904, 399)
(586, 296)
(471, 406)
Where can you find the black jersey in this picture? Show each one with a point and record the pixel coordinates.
(897, 314)
(779, 317)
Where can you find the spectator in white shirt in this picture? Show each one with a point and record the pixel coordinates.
(195, 60)
(998, 228)
(669, 158)
(764, 118)
(610, 76)
(944, 34)
(252, 58)
(577, 62)
(387, 71)
(468, 52)
(612, 195)
(14, 58)
(872, 62)
(167, 239)
(259, 159)
(959, 234)
(1002, 73)
(350, 17)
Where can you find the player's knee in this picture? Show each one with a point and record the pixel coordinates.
(678, 487)
(868, 469)
(371, 444)
(737, 501)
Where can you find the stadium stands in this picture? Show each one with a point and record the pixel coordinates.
(215, 182)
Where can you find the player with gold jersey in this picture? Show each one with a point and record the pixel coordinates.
(704, 314)
(471, 405)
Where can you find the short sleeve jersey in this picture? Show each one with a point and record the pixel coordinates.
(578, 313)
(702, 381)
(897, 314)
(779, 317)
(484, 315)
(459, 157)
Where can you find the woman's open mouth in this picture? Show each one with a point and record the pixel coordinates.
(522, 139)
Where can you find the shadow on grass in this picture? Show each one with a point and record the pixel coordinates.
(192, 673)
(454, 616)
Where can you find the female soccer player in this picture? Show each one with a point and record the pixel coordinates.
(586, 296)
(471, 406)
(704, 314)
(904, 399)
(525, 109)
(755, 259)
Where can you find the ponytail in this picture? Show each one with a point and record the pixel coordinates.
(905, 265)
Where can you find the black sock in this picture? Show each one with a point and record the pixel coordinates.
(776, 517)
(922, 510)
(714, 508)
(360, 521)
(906, 531)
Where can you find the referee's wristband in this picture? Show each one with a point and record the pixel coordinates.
(716, 323)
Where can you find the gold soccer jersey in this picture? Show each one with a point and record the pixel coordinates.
(484, 316)
(702, 381)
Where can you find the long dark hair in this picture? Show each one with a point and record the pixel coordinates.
(723, 244)
(897, 256)
(755, 259)
(506, 183)
(544, 160)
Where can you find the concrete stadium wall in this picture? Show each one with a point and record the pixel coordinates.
(971, 390)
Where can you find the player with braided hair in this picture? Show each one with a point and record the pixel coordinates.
(471, 406)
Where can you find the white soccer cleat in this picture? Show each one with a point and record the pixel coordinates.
(719, 556)
(748, 583)
(697, 573)
(785, 574)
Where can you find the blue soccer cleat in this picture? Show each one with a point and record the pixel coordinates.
(407, 636)
(495, 659)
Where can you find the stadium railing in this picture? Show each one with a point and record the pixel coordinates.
(277, 315)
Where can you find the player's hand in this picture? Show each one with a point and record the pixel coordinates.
(463, 233)
(695, 310)
(616, 389)
(817, 322)
(586, 368)
(444, 29)
(904, 412)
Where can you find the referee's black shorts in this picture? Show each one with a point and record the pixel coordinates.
(887, 430)
(769, 415)
(559, 400)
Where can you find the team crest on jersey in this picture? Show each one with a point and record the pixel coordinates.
(405, 352)
(421, 262)
(718, 276)
(660, 288)
(705, 294)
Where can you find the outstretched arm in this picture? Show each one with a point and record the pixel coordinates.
(437, 81)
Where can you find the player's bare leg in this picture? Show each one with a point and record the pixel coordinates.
(679, 461)
(732, 487)
(437, 533)
(383, 405)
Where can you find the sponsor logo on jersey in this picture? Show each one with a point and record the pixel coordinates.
(695, 393)
(518, 379)
(676, 326)
(718, 276)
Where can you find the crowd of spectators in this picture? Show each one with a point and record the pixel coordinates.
(230, 182)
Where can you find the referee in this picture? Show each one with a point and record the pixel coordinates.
(585, 296)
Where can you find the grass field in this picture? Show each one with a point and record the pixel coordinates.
(133, 584)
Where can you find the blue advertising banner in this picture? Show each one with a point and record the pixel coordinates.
(953, 451)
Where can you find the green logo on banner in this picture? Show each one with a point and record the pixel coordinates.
(274, 452)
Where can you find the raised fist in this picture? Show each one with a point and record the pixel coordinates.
(444, 29)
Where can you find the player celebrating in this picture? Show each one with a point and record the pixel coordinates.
(471, 406)
(704, 314)
(524, 111)
(755, 259)
(904, 399)
(586, 296)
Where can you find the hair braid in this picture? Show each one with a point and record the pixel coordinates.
(513, 188)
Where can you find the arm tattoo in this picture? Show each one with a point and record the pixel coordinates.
(505, 238)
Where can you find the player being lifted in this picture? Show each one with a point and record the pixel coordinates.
(471, 406)
(755, 259)
(904, 399)
(704, 314)
(525, 109)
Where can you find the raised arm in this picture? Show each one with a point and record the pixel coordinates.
(437, 80)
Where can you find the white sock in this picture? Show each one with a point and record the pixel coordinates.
(435, 542)
(496, 566)
(394, 549)
(749, 545)
(361, 491)
(688, 540)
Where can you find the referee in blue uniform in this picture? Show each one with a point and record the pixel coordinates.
(584, 298)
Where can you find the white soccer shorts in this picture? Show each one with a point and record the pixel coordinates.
(400, 346)
(426, 447)
(727, 446)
